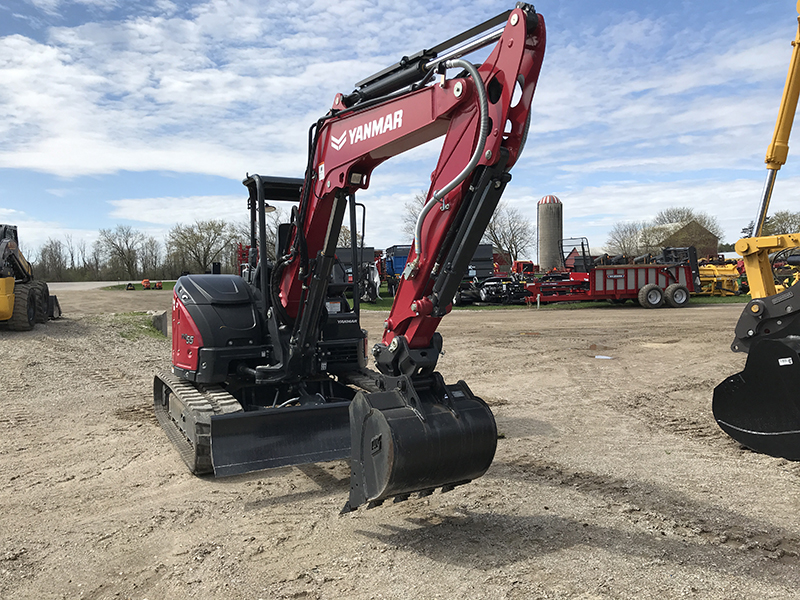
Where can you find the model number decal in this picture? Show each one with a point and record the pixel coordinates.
(785, 362)
(782, 297)
(189, 338)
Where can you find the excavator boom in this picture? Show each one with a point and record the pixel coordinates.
(778, 150)
(760, 407)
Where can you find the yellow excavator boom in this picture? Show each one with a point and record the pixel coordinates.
(778, 150)
(760, 407)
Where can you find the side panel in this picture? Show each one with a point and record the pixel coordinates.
(6, 298)
(186, 338)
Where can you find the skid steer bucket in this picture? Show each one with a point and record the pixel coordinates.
(277, 437)
(760, 407)
(417, 440)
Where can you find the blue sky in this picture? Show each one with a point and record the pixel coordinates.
(150, 112)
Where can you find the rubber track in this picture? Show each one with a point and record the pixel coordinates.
(366, 379)
(201, 403)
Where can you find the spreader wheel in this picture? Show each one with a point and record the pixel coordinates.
(677, 295)
(651, 296)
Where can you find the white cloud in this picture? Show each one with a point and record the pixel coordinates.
(168, 211)
(35, 232)
(228, 86)
(47, 6)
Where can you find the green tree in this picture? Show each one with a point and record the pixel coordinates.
(783, 221)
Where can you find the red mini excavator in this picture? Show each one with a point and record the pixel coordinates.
(270, 368)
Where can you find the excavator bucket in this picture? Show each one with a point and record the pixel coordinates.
(416, 441)
(277, 437)
(760, 407)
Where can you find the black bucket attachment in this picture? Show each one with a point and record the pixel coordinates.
(760, 407)
(277, 437)
(417, 440)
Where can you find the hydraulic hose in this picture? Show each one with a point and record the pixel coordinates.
(438, 195)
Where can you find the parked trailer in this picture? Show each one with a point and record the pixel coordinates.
(652, 285)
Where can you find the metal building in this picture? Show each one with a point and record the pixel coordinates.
(550, 231)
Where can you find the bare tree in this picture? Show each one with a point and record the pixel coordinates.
(52, 263)
(122, 246)
(150, 257)
(411, 210)
(195, 247)
(625, 238)
(81, 248)
(70, 248)
(345, 237)
(684, 215)
(509, 231)
(95, 261)
(240, 234)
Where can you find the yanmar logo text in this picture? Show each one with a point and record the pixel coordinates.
(369, 130)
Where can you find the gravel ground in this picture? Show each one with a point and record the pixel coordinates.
(611, 479)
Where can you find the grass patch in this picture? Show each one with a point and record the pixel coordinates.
(743, 299)
(136, 325)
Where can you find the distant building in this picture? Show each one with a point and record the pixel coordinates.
(677, 235)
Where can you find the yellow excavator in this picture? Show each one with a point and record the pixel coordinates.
(760, 407)
(24, 300)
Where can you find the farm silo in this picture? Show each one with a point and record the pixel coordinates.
(550, 230)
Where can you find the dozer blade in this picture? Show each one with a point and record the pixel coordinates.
(760, 407)
(416, 440)
(279, 437)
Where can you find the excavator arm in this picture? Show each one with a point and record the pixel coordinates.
(416, 433)
(485, 128)
(760, 407)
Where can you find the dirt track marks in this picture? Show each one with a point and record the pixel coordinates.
(666, 512)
